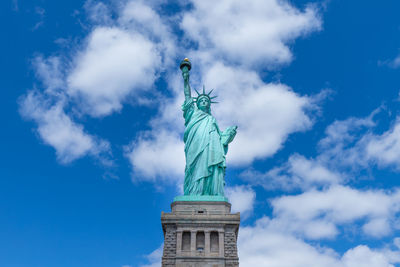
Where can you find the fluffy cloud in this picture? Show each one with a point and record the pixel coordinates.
(50, 72)
(58, 130)
(298, 172)
(114, 65)
(154, 154)
(98, 12)
(316, 214)
(121, 58)
(261, 245)
(341, 145)
(141, 16)
(311, 172)
(363, 256)
(384, 148)
(242, 199)
(251, 32)
(351, 143)
(392, 63)
(396, 62)
(154, 258)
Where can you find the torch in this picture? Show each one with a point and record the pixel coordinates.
(185, 65)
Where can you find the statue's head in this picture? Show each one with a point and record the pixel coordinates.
(203, 100)
(204, 103)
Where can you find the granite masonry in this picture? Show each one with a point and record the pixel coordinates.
(200, 234)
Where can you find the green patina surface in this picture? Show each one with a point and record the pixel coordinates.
(201, 198)
(205, 146)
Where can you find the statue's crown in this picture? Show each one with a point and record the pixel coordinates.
(204, 94)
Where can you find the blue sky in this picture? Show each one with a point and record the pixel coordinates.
(91, 127)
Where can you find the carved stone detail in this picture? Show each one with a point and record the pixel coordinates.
(192, 217)
(169, 252)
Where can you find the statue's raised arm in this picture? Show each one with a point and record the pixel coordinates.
(185, 67)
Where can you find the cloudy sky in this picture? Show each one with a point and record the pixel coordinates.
(91, 137)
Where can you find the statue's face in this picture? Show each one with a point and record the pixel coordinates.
(203, 103)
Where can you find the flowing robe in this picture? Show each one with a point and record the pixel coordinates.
(205, 149)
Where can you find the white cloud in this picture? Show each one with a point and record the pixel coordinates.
(114, 65)
(154, 258)
(384, 148)
(396, 62)
(377, 227)
(261, 245)
(392, 63)
(57, 129)
(242, 199)
(141, 16)
(351, 143)
(141, 13)
(157, 153)
(98, 12)
(50, 72)
(341, 146)
(121, 58)
(311, 171)
(316, 214)
(248, 32)
(298, 172)
(363, 256)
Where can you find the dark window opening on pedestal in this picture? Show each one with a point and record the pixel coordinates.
(186, 241)
(214, 242)
(200, 238)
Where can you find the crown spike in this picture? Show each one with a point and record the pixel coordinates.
(204, 94)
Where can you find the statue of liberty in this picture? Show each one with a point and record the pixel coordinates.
(205, 144)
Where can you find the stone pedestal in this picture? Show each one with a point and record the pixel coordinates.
(200, 234)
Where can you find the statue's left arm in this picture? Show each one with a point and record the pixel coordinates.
(228, 135)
